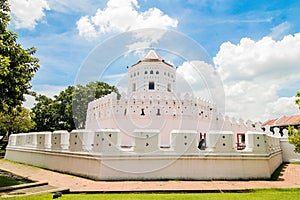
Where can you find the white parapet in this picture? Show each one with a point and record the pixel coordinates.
(107, 141)
(60, 140)
(256, 142)
(12, 140)
(81, 140)
(285, 133)
(220, 141)
(43, 140)
(146, 141)
(184, 141)
(30, 140)
(21, 139)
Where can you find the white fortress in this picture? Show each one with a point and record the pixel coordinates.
(153, 133)
(152, 103)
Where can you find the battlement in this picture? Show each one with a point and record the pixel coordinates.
(189, 155)
(107, 141)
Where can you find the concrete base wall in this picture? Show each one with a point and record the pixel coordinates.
(167, 165)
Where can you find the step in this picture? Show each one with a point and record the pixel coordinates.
(32, 189)
(21, 186)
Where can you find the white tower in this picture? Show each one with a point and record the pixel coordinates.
(151, 74)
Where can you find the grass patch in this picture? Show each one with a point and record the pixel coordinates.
(6, 181)
(266, 194)
(296, 163)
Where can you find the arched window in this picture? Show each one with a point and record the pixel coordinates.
(151, 72)
(151, 85)
(169, 87)
(146, 72)
(157, 72)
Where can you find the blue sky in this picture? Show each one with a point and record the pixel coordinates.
(253, 44)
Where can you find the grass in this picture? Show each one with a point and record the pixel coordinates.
(296, 163)
(6, 181)
(265, 194)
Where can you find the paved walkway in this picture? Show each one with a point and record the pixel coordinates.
(290, 178)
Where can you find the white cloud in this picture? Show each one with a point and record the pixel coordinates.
(47, 90)
(86, 28)
(282, 106)
(144, 39)
(123, 15)
(278, 31)
(26, 13)
(253, 74)
(201, 80)
(29, 101)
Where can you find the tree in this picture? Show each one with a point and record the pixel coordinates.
(63, 106)
(18, 120)
(297, 101)
(17, 66)
(85, 94)
(294, 138)
(67, 111)
(43, 113)
(294, 135)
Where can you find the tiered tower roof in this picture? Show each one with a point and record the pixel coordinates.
(152, 56)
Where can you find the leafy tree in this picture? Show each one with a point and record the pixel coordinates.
(17, 66)
(16, 121)
(67, 111)
(63, 106)
(297, 101)
(294, 138)
(294, 135)
(43, 113)
(85, 94)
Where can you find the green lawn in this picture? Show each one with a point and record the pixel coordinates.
(269, 194)
(6, 181)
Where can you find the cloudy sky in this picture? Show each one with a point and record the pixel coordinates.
(254, 45)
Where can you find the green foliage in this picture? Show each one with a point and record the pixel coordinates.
(67, 111)
(294, 137)
(16, 121)
(43, 114)
(17, 66)
(85, 94)
(297, 101)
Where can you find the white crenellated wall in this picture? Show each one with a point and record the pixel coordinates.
(221, 141)
(257, 142)
(146, 141)
(44, 140)
(81, 140)
(21, 139)
(107, 141)
(98, 154)
(184, 141)
(60, 140)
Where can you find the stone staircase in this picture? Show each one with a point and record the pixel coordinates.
(30, 189)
